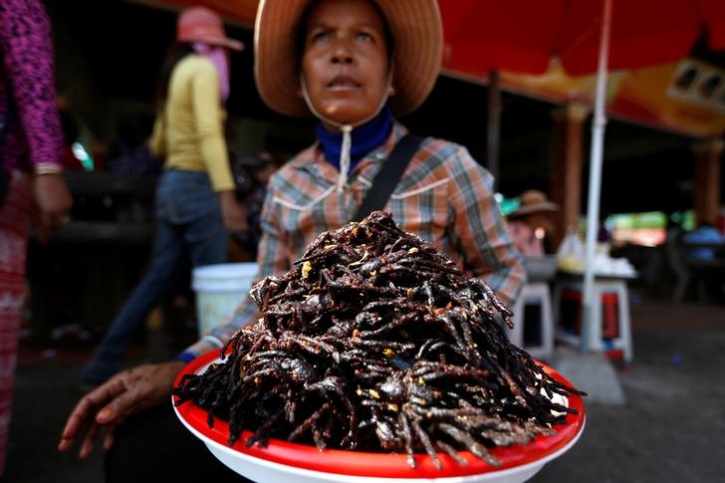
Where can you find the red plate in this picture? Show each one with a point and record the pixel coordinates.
(381, 465)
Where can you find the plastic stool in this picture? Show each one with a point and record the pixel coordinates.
(611, 326)
(569, 314)
(532, 315)
(610, 315)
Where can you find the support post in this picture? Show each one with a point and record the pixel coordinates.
(494, 125)
(595, 177)
(566, 182)
(708, 167)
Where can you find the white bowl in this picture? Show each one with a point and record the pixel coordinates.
(541, 268)
(296, 463)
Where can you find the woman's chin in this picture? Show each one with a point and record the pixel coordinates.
(344, 114)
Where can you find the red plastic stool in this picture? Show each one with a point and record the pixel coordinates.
(610, 331)
(610, 315)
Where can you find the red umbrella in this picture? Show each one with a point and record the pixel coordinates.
(585, 36)
(524, 35)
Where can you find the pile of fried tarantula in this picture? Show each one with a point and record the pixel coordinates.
(376, 341)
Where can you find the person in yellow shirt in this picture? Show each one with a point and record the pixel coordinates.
(195, 199)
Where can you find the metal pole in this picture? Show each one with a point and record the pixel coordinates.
(494, 124)
(595, 178)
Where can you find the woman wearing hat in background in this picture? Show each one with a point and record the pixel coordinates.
(353, 64)
(195, 203)
(532, 223)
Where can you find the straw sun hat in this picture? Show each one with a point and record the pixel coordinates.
(417, 49)
(533, 201)
(200, 24)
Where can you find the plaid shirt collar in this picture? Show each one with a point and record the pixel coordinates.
(321, 168)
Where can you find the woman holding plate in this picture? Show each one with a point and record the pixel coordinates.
(355, 65)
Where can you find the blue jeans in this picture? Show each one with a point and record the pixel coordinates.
(189, 223)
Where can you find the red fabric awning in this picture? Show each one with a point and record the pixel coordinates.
(240, 11)
(524, 35)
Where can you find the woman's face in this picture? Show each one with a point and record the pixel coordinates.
(345, 60)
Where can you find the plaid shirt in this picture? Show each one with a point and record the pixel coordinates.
(445, 197)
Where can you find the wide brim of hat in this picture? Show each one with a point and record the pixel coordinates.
(418, 45)
(233, 44)
(220, 41)
(542, 207)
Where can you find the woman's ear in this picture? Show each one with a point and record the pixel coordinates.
(391, 80)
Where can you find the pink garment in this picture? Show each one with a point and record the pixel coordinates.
(27, 78)
(14, 226)
(27, 81)
(220, 59)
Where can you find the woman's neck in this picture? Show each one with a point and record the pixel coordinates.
(365, 138)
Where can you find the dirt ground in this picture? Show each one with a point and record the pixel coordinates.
(669, 429)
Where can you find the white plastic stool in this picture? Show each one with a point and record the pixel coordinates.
(595, 339)
(534, 293)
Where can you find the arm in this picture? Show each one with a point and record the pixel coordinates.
(479, 229)
(125, 394)
(27, 48)
(157, 143)
(107, 406)
(206, 100)
(28, 62)
(272, 258)
(206, 103)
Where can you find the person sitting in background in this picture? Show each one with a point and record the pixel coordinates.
(604, 234)
(532, 222)
(704, 233)
(131, 153)
(266, 164)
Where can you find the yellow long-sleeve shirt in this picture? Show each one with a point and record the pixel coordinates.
(190, 133)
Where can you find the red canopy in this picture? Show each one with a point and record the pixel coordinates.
(524, 35)
(243, 11)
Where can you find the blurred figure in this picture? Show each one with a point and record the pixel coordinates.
(532, 223)
(131, 156)
(195, 203)
(266, 164)
(704, 233)
(131, 153)
(71, 133)
(30, 168)
(604, 234)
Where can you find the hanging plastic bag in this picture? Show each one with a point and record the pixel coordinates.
(570, 255)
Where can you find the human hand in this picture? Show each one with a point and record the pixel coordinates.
(122, 396)
(53, 201)
(233, 214)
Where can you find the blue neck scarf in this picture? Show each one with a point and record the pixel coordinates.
(365, 138)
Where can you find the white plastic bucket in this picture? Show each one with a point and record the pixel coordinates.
(219, 291)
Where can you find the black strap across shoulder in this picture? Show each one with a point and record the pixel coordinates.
(389, 175)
